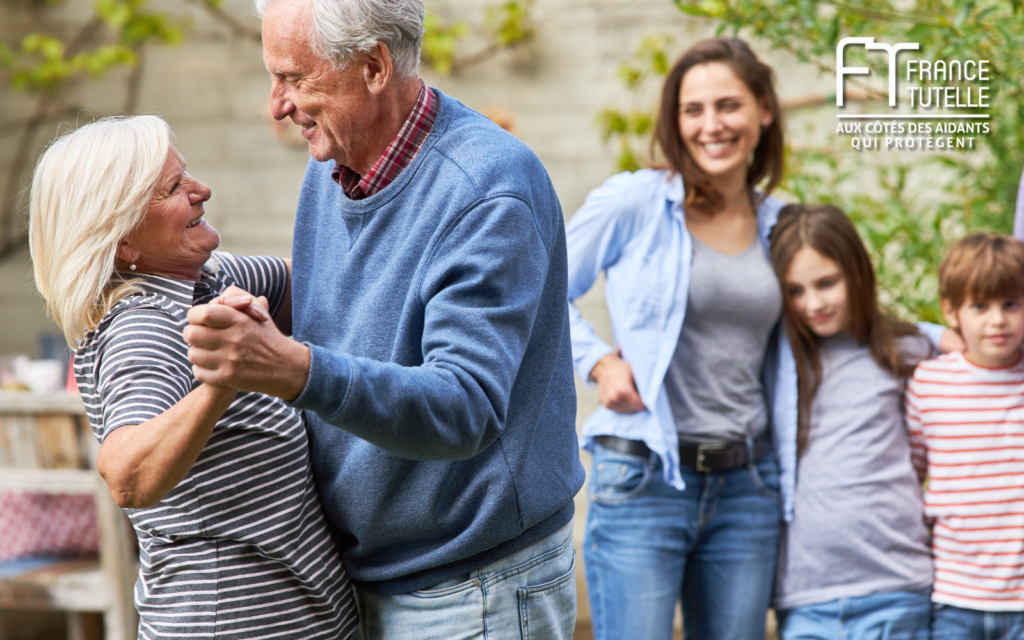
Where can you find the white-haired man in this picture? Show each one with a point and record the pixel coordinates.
(431, 349)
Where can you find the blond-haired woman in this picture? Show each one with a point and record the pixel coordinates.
(217, 483)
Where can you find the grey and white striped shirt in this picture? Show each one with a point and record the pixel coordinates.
(240, 548)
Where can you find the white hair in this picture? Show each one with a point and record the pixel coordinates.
(91, 188)
(341, 28)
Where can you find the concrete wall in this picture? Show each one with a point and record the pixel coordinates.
(213, 91)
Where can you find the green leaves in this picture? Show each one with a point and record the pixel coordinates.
(510, 23)
(907, 210)
(505, 25)
(42, 64)
(440, 41)
(51, 68)
(629, 128)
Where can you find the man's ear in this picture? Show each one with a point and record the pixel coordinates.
(377, 68)
(949, 313)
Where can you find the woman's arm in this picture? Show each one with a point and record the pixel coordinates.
(595, 236)
(142, 463)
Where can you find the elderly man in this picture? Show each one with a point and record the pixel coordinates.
(431, 349)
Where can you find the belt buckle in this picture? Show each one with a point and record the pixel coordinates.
(701, 448)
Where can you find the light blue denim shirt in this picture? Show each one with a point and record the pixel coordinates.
(632, 228)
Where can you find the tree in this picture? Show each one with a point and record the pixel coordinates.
(47, 67)
(907, 211)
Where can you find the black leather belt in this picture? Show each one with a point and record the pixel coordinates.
(702, 457)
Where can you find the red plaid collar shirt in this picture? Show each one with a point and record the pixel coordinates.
(397, 156)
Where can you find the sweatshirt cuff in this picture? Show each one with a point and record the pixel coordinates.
(328, 383)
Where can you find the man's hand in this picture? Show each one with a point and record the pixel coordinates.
(616, 385)
(229, 348)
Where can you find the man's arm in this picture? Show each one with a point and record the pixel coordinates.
(485, 280)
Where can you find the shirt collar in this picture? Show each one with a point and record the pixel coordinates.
(399, 153)
(184, 292)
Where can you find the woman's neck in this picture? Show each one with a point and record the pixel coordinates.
(735, 194)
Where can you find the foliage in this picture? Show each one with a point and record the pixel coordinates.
(509, 23)
(43, 63)
(505, 25)
(440, 42)
(631, 127)
(907, 211)
(46, 66)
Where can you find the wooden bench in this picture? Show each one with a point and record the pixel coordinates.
(46, 447)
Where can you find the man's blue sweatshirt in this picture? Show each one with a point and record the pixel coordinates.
(440, 404)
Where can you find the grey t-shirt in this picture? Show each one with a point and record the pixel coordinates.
(858, 525)
(714, 380)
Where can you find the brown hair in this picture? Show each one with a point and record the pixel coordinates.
(828, 231)
(982, 266)
(768, 156)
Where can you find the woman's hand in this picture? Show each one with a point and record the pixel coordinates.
(951, 341)
(616, 385)
(237, 298)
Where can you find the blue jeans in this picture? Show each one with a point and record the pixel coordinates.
(530, 594)
(954, 623)
(895, 615)
(649, 544)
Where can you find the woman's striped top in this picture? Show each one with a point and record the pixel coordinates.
(240, 548)
(967, 434)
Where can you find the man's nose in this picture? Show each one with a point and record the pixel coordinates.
(280, 105)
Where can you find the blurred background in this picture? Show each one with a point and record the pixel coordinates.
(576, 80)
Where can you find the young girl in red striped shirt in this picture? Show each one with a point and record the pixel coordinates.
(966, 414)
(854, 563)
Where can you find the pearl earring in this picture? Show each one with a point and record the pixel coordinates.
(132, 266)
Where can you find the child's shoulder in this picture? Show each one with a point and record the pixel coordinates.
(944, 366)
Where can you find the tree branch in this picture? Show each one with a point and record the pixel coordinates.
(237, 29)
(9, 239)
(131, 102)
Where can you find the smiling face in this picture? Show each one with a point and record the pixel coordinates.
(816, 289)
(720, 121)
(173, 239)
(992, 330)
(332, 106)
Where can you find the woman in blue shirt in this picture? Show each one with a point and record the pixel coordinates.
(699, 400)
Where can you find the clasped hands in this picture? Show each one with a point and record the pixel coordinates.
(233, 342)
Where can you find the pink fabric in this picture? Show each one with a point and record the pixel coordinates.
(34, 524)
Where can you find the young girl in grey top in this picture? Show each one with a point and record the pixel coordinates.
(854, 563)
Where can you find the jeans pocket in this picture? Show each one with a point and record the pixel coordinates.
(548, 611)
(447, 589)
(765, 475)
(618, 477)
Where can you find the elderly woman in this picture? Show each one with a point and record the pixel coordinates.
(216, 482)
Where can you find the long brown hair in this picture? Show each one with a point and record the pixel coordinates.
(828, 231)
(768, 156)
